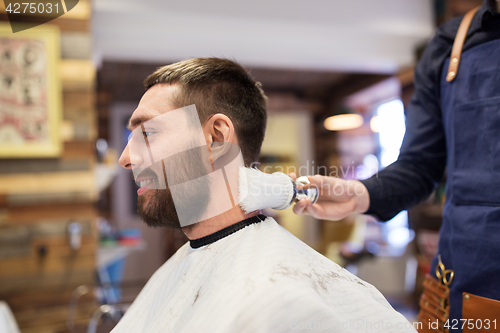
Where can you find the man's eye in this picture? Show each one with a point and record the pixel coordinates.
(146, 134)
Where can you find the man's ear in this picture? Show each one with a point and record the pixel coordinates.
(219, 130)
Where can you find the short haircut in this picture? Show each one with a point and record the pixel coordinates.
(217, 85)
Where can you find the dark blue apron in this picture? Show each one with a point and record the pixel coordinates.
(470, 235)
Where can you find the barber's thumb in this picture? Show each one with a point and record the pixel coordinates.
(315, 181)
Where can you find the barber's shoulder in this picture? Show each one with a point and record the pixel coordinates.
(448, 30)
(441, 43)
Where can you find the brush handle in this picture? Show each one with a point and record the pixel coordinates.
(311, 193)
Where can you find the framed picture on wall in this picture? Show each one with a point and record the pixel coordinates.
(30, 92)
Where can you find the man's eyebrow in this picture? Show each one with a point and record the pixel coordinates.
(132, 123)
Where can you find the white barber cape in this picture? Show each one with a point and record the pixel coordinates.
(258, 279)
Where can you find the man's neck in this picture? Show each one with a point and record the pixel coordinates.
(214, 224)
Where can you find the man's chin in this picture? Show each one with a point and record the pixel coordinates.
(156, 209)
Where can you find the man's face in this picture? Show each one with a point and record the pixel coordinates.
(164, 145)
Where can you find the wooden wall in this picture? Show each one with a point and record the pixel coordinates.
(39, 198)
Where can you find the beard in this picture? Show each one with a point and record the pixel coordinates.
(157, 206)
(159, 210)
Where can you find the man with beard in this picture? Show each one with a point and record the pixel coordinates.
(239, 272)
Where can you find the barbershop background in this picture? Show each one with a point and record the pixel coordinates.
(73, 251)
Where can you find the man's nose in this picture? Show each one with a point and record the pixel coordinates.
(124, 160)
(128, 160)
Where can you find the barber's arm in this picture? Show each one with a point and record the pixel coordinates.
(409, 180)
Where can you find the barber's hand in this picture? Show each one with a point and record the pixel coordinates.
(338, 198)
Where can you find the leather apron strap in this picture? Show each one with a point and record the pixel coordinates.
(456, 51)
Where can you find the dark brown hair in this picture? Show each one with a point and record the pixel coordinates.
(216, 85)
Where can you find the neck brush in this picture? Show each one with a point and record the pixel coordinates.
(260, 190)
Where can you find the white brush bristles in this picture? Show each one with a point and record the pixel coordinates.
(260, 190)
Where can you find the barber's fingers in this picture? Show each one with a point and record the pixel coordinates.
(324, 209)
(300, 206)
(332, 188)
(306, 207)
(317, 181)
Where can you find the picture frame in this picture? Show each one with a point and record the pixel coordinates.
(30, 92)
